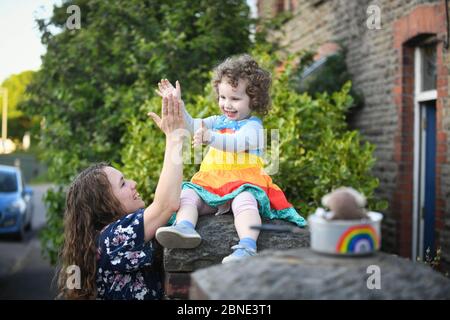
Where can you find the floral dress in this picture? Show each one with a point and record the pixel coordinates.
(124, 261)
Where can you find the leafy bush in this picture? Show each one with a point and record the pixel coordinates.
(52, 236)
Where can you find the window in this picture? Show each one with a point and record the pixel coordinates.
(279, 6)
(317, 3)
(285, 6)
(8, 182)
(428, 64)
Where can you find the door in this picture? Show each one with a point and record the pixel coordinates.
(428, 175)
(424, 194)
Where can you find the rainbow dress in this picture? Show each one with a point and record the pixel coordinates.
(225, 174)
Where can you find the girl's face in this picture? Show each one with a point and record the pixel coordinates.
(124, 190)
(234, 102)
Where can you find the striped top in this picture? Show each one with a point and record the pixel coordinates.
(234, 164)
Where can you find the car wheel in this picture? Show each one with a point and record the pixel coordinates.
(28, 226)
(20, 235)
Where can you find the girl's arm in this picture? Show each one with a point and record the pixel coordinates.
(193, 124)
(249, 137)
(167, 194)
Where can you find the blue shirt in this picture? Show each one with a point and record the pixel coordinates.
(247, 134)
(124, 260)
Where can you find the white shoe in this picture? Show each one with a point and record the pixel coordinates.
(240, 252)
(178, 236)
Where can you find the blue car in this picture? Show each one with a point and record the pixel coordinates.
(16, 203)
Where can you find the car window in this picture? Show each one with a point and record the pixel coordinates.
(8, 182)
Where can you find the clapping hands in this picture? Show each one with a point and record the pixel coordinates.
(165, 90)
(172, 117)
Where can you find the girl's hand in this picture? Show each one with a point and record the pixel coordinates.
(166, 88)
(172, 116)
(201, 136)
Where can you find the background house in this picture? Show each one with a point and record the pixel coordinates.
(401, 66)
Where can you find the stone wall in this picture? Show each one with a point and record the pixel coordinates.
(301, 274)
(218, 236)
(377, 63)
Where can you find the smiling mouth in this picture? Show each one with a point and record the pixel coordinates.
(137, 196)
(230, 113)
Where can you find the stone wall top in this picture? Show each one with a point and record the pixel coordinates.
(303, 274)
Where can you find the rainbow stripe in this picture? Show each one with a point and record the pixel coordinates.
(223, 172)
(358, 239)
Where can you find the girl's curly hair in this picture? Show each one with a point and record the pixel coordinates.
(245, 67)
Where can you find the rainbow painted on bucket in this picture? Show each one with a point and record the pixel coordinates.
(358, 239)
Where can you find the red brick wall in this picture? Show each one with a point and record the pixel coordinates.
(442, 138)
(425, 19)
(176, 285)
(381, 64)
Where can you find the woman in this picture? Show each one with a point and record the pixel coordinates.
(108, 230)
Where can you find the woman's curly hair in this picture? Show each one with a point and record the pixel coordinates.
(245, 67)
(90, 206)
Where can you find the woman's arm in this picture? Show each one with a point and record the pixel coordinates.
(167, 194)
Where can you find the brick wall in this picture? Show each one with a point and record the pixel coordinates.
(424, 19)
(381, 62)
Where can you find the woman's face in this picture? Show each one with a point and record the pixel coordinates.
(124, 190)
(234, 102)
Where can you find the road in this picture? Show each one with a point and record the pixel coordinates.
(24, 274)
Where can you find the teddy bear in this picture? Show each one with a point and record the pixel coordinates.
(345, 203)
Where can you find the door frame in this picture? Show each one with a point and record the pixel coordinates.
(418, 167)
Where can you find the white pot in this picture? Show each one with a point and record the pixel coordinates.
(345, 237)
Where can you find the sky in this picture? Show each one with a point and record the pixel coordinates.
(20, 44)
(20, 40)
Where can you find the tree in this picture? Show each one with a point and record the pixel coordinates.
(18, 123)
(94, 80)
(16, 85)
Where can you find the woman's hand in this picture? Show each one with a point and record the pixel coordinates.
(167, 193)
(172, 116)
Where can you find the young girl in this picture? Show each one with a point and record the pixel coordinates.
(231, 174)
